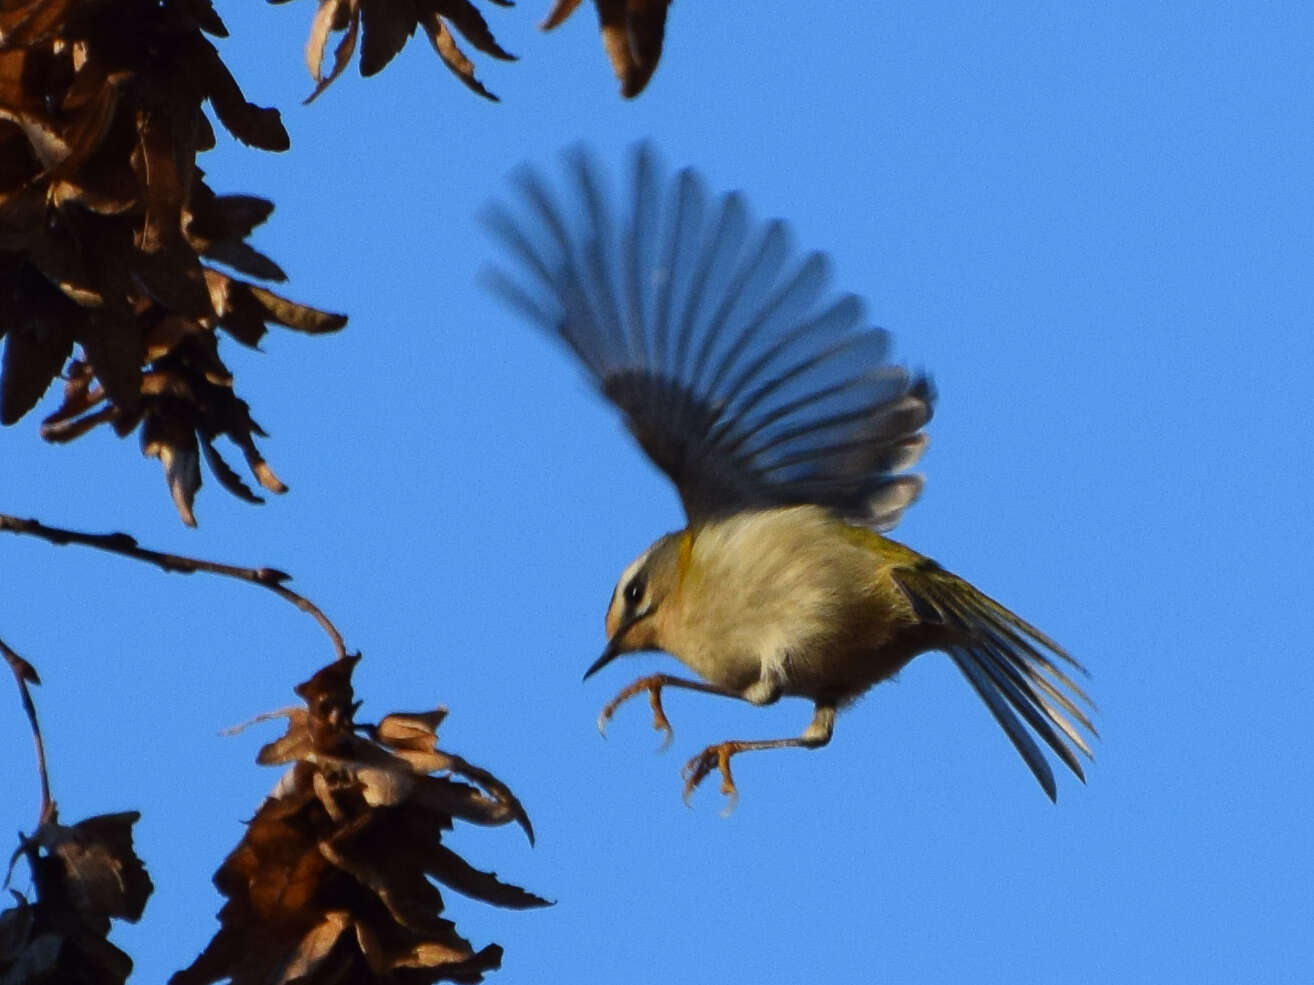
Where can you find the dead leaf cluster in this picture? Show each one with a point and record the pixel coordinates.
(84, 875)
(632, 36)
(106, 224)
(383, 28)
(331, 882)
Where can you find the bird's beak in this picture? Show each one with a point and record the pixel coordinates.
(612, 651)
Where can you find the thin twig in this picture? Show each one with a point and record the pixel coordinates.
(270, 578)
(24, 674)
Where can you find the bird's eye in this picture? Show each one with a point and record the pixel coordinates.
(634, 590)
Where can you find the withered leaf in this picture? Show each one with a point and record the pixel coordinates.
(244, 309)
(465, 17)
(101, 872)
(85, 875)
(17, 159)
(251, 124)
(168, 268)
(205, 15)
(452, 56)
(172, 440)
(289, 314)
(293, 745)
(228, 478)
(223, 217)
(559, 12)
(114, 348)
(21, 667)
(331, 882)
(316, 946)
(242, 257)
(217, 227)
(472, 969)
(73, 419)
(34, 21)
(16, 925)
(38, 342)
(632, 35)
(469, 803)
(452, 870)
(411, 730)
(386, 25)
(88, 131)
(333, 15)
(501, 793)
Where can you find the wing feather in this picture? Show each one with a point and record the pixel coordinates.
(737, 372)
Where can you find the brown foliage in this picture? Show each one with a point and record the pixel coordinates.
(384, 26)
(632, 35)
(84, 875)
(105, 221)
(329, 883)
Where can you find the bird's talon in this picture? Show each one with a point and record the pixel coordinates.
(659, 720)
(728, 788)
(697, 769)
(653, 685)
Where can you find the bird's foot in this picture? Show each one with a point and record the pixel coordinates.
(718, 756)
(653, 685)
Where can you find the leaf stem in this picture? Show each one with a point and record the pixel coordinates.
(24, 674)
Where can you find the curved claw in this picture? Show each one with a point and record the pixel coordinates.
(653, 685)
(667, 739)
(660, 722)
(696, 770)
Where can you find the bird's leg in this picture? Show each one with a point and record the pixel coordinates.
(653, 684)
(817, 734)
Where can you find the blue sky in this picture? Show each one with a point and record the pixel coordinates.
(1093, 223)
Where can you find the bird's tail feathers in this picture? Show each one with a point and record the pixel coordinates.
(1014, 667)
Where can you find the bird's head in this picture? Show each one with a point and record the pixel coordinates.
(635, 615)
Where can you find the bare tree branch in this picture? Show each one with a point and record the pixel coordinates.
(123, 544)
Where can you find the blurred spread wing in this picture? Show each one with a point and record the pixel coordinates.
(739, 377)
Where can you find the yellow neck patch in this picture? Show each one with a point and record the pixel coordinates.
(686, 553)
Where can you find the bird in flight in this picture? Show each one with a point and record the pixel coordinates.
(773, 407)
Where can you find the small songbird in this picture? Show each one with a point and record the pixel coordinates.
(788, 434)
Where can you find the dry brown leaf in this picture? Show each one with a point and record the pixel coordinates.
(101, 872)
(387, 26)
(632, 35)
(331, 882)
(85, 875)
(470, 24)
(217, 226)
(35, 20)
(254, 125)
(203, 12)
(38, 342)
(452, 56)
(333, 15)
